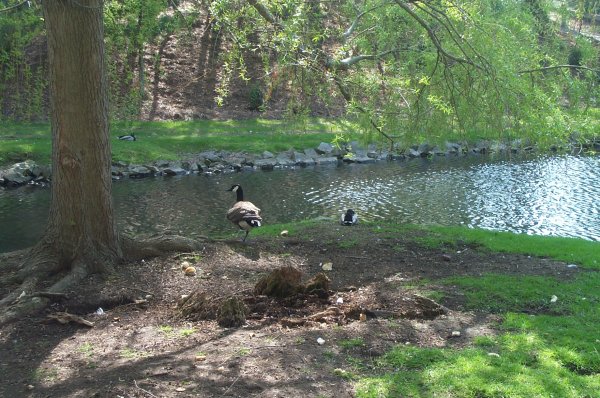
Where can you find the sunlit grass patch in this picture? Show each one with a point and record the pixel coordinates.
(518, 366)
(170, 140)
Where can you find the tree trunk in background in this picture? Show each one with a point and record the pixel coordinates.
(81, 228)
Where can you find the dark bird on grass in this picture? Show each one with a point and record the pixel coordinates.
(243, 213)
(128, 137)
(349, 218)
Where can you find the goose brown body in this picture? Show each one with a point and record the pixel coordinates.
(243, 213)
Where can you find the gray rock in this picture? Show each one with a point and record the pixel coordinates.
(425, 149)
(303, 160)
(395, 156)
(12, 177)
(267, 155)
(18, 173)
(436, 150)
(139, 172)
(265, 164)
(311, 153)
(324, 148)
(285, 159)
(452, 147)
(172, 171)
(364, 159)
(326, 160)
(210, 157)
(413, 153)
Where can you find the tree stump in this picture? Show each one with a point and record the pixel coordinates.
(283, 282)
(232, 313)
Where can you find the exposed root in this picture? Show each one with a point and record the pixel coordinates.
(42, 269)
(157, 245)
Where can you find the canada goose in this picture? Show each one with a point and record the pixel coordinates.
(129, 137)
(243, 213)
(349, 218)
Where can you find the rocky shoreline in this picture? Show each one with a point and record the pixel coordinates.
(216, 162)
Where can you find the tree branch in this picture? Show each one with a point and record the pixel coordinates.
(346, 63)
(264, 12)
(7, 9)
(433, 37)
(352, 27)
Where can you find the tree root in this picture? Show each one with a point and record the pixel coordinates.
(157, 245)
(27, 273)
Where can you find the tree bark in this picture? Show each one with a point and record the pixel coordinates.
(81, 227)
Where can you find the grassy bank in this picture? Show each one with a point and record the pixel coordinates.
(547, 342)
(168, 140)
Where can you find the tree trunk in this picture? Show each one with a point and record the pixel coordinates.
(81, 228)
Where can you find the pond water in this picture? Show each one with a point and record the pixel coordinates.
(552, 195)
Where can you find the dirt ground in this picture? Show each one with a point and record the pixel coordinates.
(142, 347)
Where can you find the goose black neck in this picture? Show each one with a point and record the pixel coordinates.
(240, 194)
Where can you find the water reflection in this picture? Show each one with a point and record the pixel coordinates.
(546, 196)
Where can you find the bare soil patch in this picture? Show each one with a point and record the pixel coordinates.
(142, 346)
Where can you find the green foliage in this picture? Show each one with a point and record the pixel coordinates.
(462, 69)
(255, 98)
(22, 79)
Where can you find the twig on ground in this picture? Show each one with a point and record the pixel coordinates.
(50, 295)
(229, 388)
(141, 389)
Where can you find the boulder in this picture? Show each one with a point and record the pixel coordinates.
(311, 153)
(284, 159)
(324, 148)
(326, 160)
(265, 164)
(172, 171)
(139, 171)
(303, 160)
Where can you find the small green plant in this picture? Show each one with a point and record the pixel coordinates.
(166, 329)
(244, 351)
(255, 98)
(132, 353)
(346, 244)
(186, 332)
(44, 374)
(351, 343)
(87, 349)
(344, 374)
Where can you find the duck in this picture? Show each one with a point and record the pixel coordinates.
(349, 218)
(128, 137)
(244, 214)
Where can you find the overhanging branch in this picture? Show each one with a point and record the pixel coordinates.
(434, 39)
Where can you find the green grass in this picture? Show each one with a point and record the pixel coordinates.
(351, 343)
(169, 140)
(542, 349)
(542, 355)
(571, 250)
